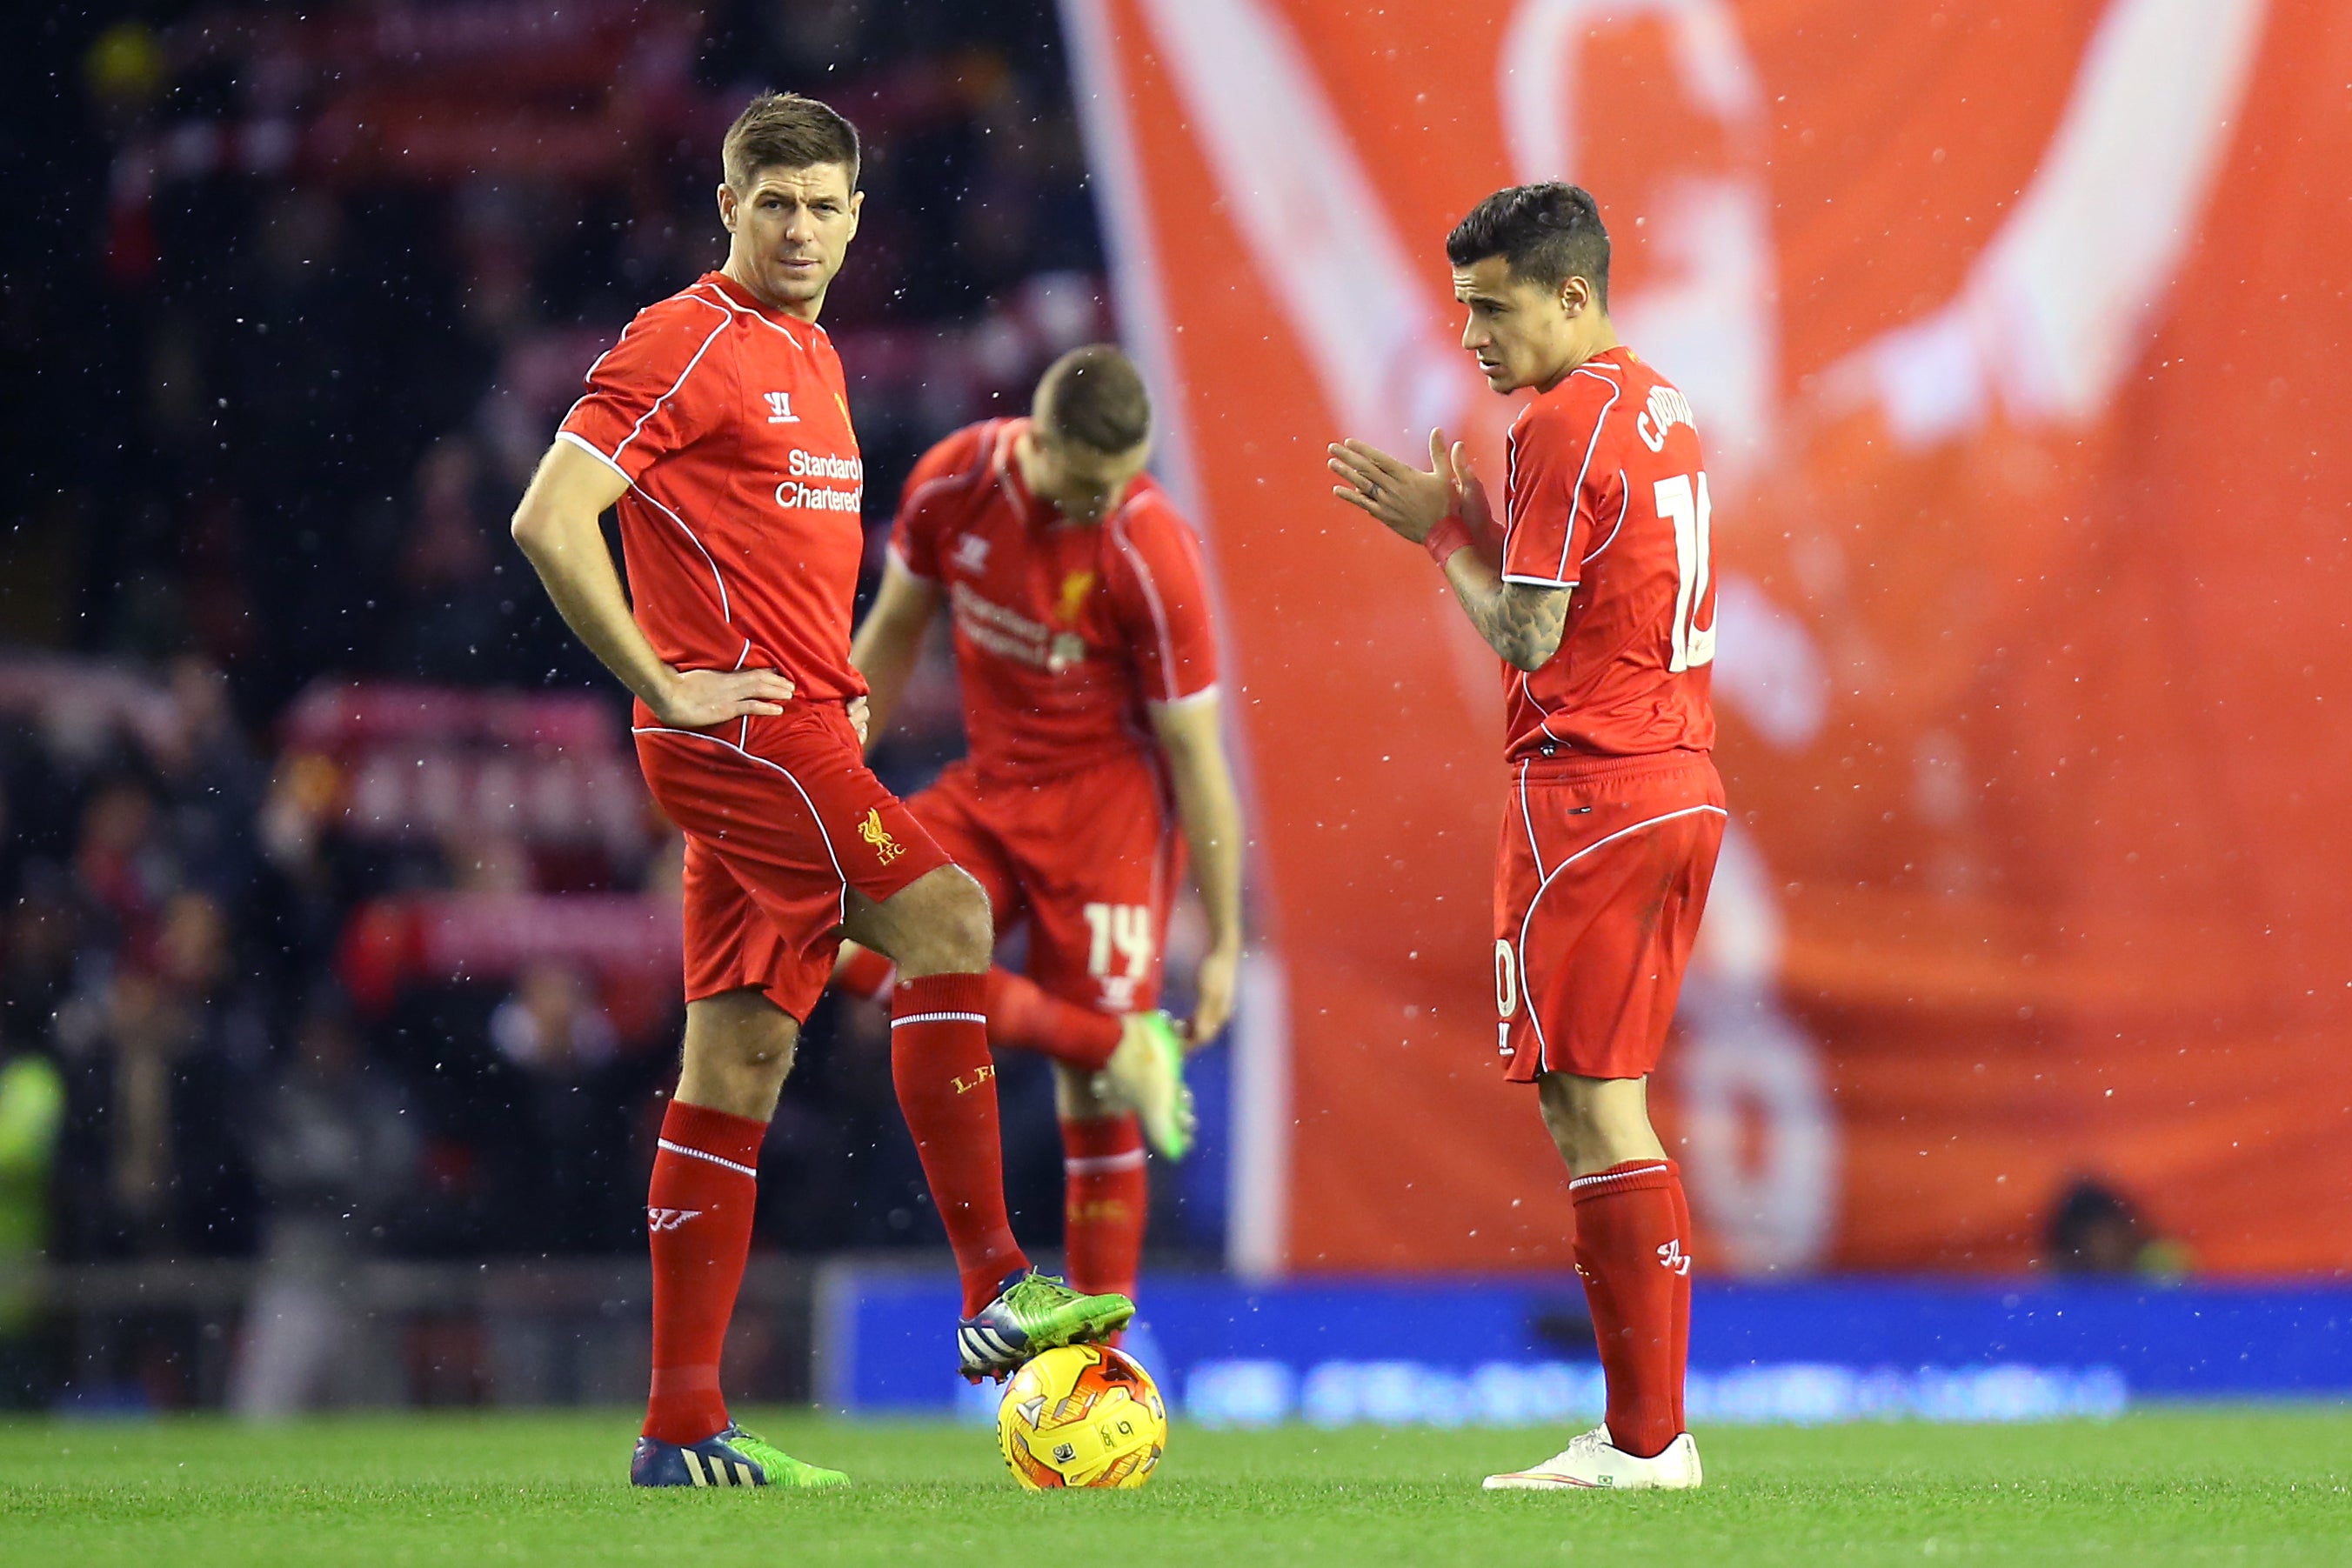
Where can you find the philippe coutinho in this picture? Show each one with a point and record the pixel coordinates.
(1604, 613)
(721, 427)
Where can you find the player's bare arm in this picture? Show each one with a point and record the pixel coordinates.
(556, 526)
(1193, 736)
(1521, 621)
(890, 642)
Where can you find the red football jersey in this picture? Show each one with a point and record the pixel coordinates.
(740, 527)
(1607, 495)
(1064, 632)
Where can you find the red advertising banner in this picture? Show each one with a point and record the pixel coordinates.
(2016, 334)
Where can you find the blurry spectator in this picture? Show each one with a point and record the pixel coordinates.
(211, 784)
(334, 1155)
(45, 932)
(120, 864)
(296, 910)
(552, 1027)
(452, 610)
(2097, 1229)
(487, 863)
(570, 1140)
(159, 1060)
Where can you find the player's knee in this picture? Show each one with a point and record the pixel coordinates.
(741, 1033)
(1568, 1130)
(1596, 1122)
(1575, 1112)
(769, 1051)
(956, 932)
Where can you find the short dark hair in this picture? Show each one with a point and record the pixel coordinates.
(1548, 233)
(1096, 395)
(785, 130)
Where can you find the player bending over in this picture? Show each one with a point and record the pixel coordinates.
(1087, 655)
(1604, 616)
(720, 425)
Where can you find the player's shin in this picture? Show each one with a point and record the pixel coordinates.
(946, 1081)
(1633, 1254)
(699, 1227)
(1106, 1199)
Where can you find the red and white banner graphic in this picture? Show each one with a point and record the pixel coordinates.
(2016, 335)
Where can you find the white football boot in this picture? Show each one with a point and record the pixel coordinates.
(1592, 1460)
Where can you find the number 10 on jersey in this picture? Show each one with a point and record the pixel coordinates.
(1683, 503)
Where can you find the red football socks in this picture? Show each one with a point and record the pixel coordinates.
(1632, 1250)
(863, 972)
(947, 1091)
(699, 1222)
(1680, 1349)
(1106, 1197)
(1021, 1015)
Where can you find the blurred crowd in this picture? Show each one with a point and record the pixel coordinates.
(307, 289)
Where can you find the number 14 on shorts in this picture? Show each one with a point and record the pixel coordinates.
(1120, 953)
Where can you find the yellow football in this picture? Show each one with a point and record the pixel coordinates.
(1082, 1415)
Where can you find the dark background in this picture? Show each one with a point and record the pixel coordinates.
(292, 300)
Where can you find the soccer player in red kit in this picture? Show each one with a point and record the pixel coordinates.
(720, 426)
(1603, 612)
(1086, 653)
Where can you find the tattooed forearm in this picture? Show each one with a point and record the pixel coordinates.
(1519, 621)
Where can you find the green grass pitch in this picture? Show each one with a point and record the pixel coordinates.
(2273, 1486)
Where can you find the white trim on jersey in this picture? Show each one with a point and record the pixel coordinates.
(693, 538)
(917, 498)
(1624, 500)
(1187, 700)
(588, 446)
(1119, 535)
(725, 614)
(1511, 480)
(892, 552)
(761, 317)
(614, 460)
(1540, 581)
(743, 732)
(814, 816)
(638, 429)
(1576, 491)
(1519, 948)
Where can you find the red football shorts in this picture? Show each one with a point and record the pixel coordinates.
(1598, 884)
(1089, 858)
(782, 818)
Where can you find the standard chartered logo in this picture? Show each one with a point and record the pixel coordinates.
(822, 482)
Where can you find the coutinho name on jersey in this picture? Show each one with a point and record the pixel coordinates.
(804, 490)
